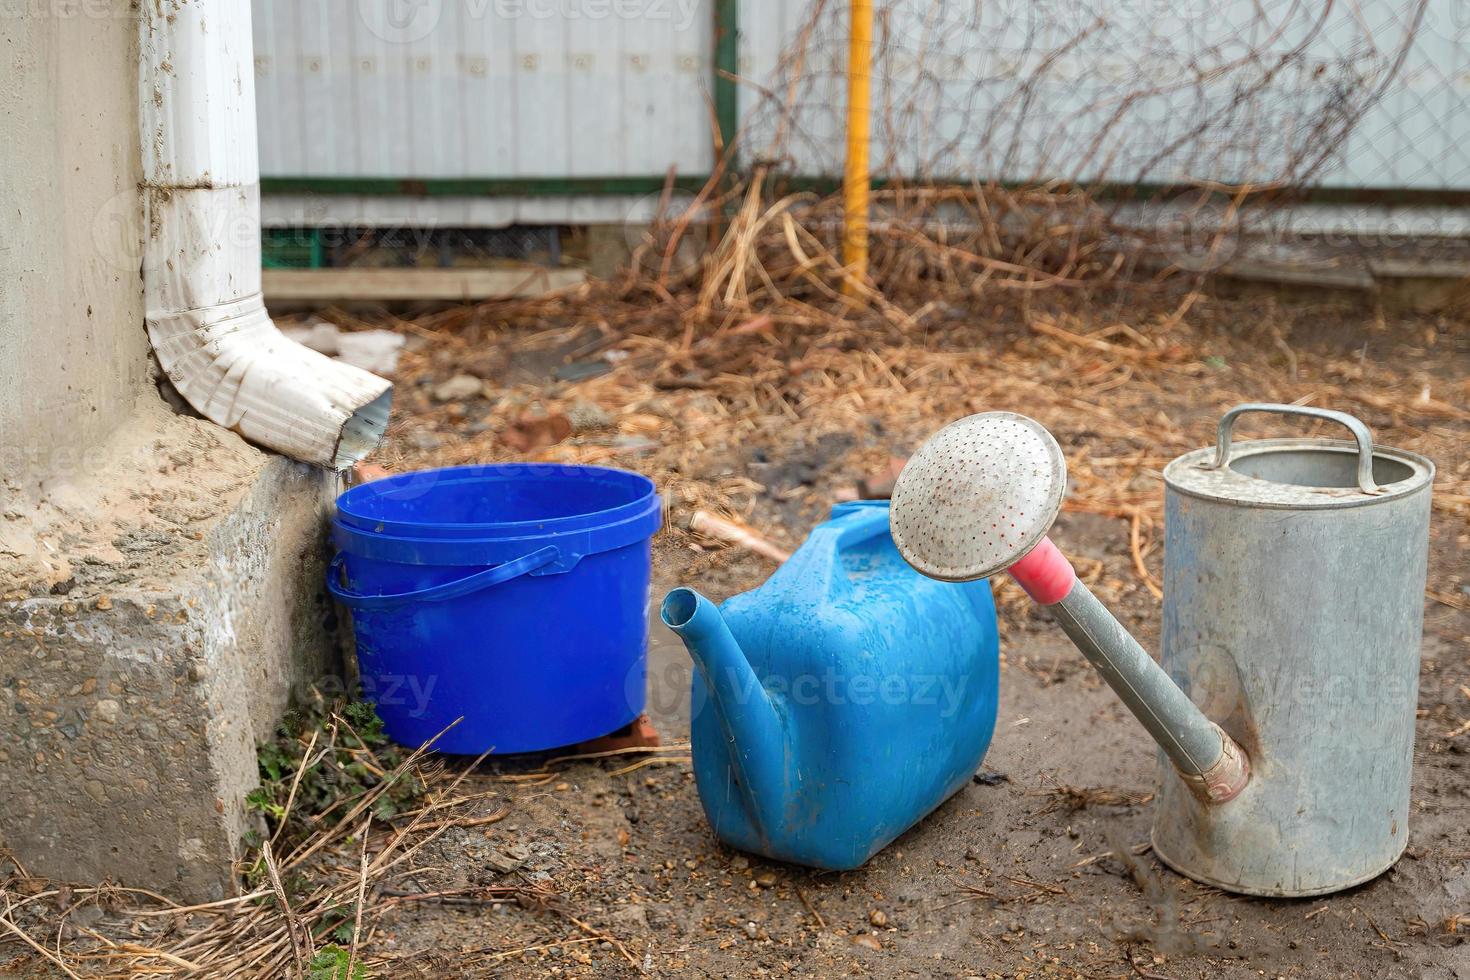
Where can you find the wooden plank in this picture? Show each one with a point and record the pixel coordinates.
(1421, 285)
(414, 284)
(1317, 276)
(1412, 268)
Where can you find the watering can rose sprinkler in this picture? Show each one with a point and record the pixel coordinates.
(978, 498)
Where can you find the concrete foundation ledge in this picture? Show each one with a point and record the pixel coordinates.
(162, 602)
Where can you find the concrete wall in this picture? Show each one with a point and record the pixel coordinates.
(134, 690)
(161, 581)
(73, 350)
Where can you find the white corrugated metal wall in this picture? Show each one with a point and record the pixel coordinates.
(467, 91)
(519, 89)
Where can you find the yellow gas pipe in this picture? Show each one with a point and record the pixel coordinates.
(855, 178)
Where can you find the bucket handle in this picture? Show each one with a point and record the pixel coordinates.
(1360, 432)
(444, 590)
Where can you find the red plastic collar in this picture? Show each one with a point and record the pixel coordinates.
(1044, 573)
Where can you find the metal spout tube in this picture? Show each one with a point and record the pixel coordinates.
(1215, 768)
(1209, 761)
(978, 498)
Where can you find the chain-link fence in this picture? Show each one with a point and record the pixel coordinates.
(1346, 93)
(1013, 119)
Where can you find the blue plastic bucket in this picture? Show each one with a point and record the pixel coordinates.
(513, 596)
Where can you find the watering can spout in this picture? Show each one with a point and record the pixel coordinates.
(754, 733)
(1209, 761)
(977, 499)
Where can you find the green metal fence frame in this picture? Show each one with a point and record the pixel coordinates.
(653, 183)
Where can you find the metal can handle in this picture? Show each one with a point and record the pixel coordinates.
(1360, 432)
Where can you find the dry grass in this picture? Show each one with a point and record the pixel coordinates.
(1073, 798)
(758, 348)
(325, 893)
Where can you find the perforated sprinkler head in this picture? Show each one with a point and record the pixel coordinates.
(977, 499)
(979, 495)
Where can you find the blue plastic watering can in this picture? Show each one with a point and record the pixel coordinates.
(840, 702)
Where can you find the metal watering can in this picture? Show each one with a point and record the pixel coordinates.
(841, 701)
(1294, 574)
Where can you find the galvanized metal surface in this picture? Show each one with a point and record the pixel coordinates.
(1362, 438)
(1293, 616)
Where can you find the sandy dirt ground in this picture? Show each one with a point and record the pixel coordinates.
(1040, 866)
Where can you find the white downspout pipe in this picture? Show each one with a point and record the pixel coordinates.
(201, 269)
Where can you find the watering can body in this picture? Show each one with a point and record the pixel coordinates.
(1293, 609)
(841, 701)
